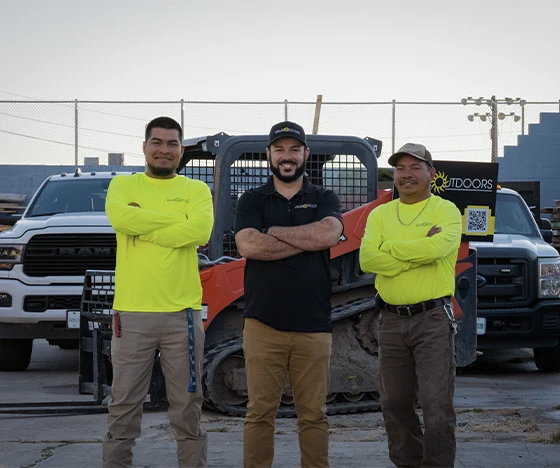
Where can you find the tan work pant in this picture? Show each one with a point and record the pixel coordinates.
(270, 356)
(418, 353)
(142, 333)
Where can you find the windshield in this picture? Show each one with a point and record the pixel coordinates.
(71, 196)
(513, 217)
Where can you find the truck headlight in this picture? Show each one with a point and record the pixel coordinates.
(10, 255)
(549, 278)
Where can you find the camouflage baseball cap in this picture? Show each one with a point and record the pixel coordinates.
(415, 150)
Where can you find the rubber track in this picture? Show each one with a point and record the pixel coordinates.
(212, 401)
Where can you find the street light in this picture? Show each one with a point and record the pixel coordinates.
(516, 118)
(494, 116)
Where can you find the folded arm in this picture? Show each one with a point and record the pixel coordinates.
(319, 235)
(196, 227)
(430, 249)
(255, 245)
(372, 259)
(133, 220)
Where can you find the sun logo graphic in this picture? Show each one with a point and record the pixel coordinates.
(439, 183)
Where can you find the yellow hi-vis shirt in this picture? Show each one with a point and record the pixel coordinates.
(157, 260)
(409, 266)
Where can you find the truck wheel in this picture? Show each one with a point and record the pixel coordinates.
(15, 355)
(548, 359)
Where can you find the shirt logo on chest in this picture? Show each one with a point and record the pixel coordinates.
(305, 206)
(177, 200)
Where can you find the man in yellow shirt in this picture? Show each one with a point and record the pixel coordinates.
(411, 244)
(160, 219)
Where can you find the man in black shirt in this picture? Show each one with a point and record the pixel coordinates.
(285, 230)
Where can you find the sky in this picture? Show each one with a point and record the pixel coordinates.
(346, 50)
(269, 50)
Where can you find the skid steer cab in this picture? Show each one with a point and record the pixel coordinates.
(230, 165)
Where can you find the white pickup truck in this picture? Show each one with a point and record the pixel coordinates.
(62, 233)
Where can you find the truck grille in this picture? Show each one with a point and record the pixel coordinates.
(43, 303)
(551, 320)
(506, 284)
(69, 254)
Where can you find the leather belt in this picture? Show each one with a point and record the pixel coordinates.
(415, 309)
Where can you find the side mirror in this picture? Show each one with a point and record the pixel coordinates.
(546, 229)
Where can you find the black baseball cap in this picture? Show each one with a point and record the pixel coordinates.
(415, 150)
(286, 130)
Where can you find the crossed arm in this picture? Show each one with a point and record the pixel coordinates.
(132, 220)
(392, 257)
(372, 258)
(285, 241)
(167, 229)
(194, 229)
(432, 248)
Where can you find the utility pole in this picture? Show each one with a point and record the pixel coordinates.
(494, 129)
(494, 116)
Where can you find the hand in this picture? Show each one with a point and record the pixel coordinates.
(134, 204)
(433, 231)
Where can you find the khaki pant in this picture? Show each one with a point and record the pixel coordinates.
(133, 357)
(270, 356)
(417, 353)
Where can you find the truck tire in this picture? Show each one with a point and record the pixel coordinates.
(15, 355)
(548, 359)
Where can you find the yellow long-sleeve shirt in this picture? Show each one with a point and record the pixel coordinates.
(157, 261)
(409, 266)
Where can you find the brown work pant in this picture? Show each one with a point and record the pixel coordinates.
(417, 353)
(133, 357)
(270, 356)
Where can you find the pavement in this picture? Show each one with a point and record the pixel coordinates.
(508, 416)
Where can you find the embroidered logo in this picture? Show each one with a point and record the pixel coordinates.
(177, 200)
(305, 206)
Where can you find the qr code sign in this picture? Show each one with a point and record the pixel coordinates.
(477, 220)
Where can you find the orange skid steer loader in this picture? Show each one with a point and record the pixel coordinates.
(230, 165)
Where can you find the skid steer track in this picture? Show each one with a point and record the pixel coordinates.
(353, 328)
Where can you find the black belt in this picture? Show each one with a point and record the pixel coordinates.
(415, 309)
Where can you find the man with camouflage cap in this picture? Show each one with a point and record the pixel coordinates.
(412, 244)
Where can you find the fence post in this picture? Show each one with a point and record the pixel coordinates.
(183, 116)
(393, 128)
(76, 132)
(285, 109)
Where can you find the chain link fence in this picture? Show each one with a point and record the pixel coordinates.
(82, 132)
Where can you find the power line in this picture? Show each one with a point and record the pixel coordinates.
(68, 126)
(66, 144)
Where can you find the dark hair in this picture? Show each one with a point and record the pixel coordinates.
(164, 122)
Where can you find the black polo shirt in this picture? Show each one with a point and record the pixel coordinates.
(291, 294)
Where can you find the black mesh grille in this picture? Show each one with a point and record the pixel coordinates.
(343, 173)
(97, 299)
(43, 303)
(69, 254)
(507, 283)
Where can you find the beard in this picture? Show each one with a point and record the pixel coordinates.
(287, 178)
(160, 171)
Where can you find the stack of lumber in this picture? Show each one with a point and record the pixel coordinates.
(10, 203)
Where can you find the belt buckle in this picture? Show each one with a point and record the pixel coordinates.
(406, 308)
